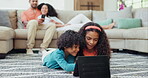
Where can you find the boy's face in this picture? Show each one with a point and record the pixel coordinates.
(73, 50)
(33, 3)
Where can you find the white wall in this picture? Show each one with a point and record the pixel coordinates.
(58, 4)
(109, 5)
(13, 4)
(24, 4)
(69, 4)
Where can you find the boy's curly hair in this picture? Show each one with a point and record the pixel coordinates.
(102, 47)
(68, 39)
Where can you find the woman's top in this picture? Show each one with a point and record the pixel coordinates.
(47, 19)
(57, 59)
(86, 53)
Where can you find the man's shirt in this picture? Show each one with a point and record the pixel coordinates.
(30, 14)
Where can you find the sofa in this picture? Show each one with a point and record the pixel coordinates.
(136, 39)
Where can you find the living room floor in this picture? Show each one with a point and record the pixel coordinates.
(21, 65)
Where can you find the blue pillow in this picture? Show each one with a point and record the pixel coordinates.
(126, 23)
(105, 22)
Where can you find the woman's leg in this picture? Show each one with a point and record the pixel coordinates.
(51, 27)
(110, 26)
(79, 19)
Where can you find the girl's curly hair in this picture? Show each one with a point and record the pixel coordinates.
(102, 47)
(51, 10)
(68, 39)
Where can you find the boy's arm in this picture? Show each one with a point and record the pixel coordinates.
(64, 64)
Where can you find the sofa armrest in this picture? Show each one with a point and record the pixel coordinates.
(6, 33)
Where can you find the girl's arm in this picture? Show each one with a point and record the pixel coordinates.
(58, 21)
(54, 21)
(61, 25)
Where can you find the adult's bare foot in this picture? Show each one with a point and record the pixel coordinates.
(111, 25)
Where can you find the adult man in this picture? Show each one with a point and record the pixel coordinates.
(32, 23)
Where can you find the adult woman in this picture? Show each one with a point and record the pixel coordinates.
(95, 41)
(51, 15)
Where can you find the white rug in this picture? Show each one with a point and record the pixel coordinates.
(20, 65)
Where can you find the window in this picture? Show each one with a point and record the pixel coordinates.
(134, 3)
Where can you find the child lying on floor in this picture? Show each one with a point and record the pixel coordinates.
(64, 56)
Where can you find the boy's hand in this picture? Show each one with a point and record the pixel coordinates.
(71, 72)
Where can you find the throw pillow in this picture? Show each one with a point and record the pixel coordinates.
(19, 21)
(4, 18)
(105, 22)
(126, 23)
(125, 13)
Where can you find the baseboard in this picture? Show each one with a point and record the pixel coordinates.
(2, 55)
(17, 51)
(130, 52)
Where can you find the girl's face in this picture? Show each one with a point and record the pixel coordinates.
(72, 50)
(44, 9)
(91, 39)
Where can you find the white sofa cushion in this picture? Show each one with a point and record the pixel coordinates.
(136, 33)
(67, 15)
(125, 13)
(115, 33)
(6, 33)
(142, 13)
(98, 16)
(22, 34)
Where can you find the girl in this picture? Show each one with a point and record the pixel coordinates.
(94, 40)
(64, 56)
